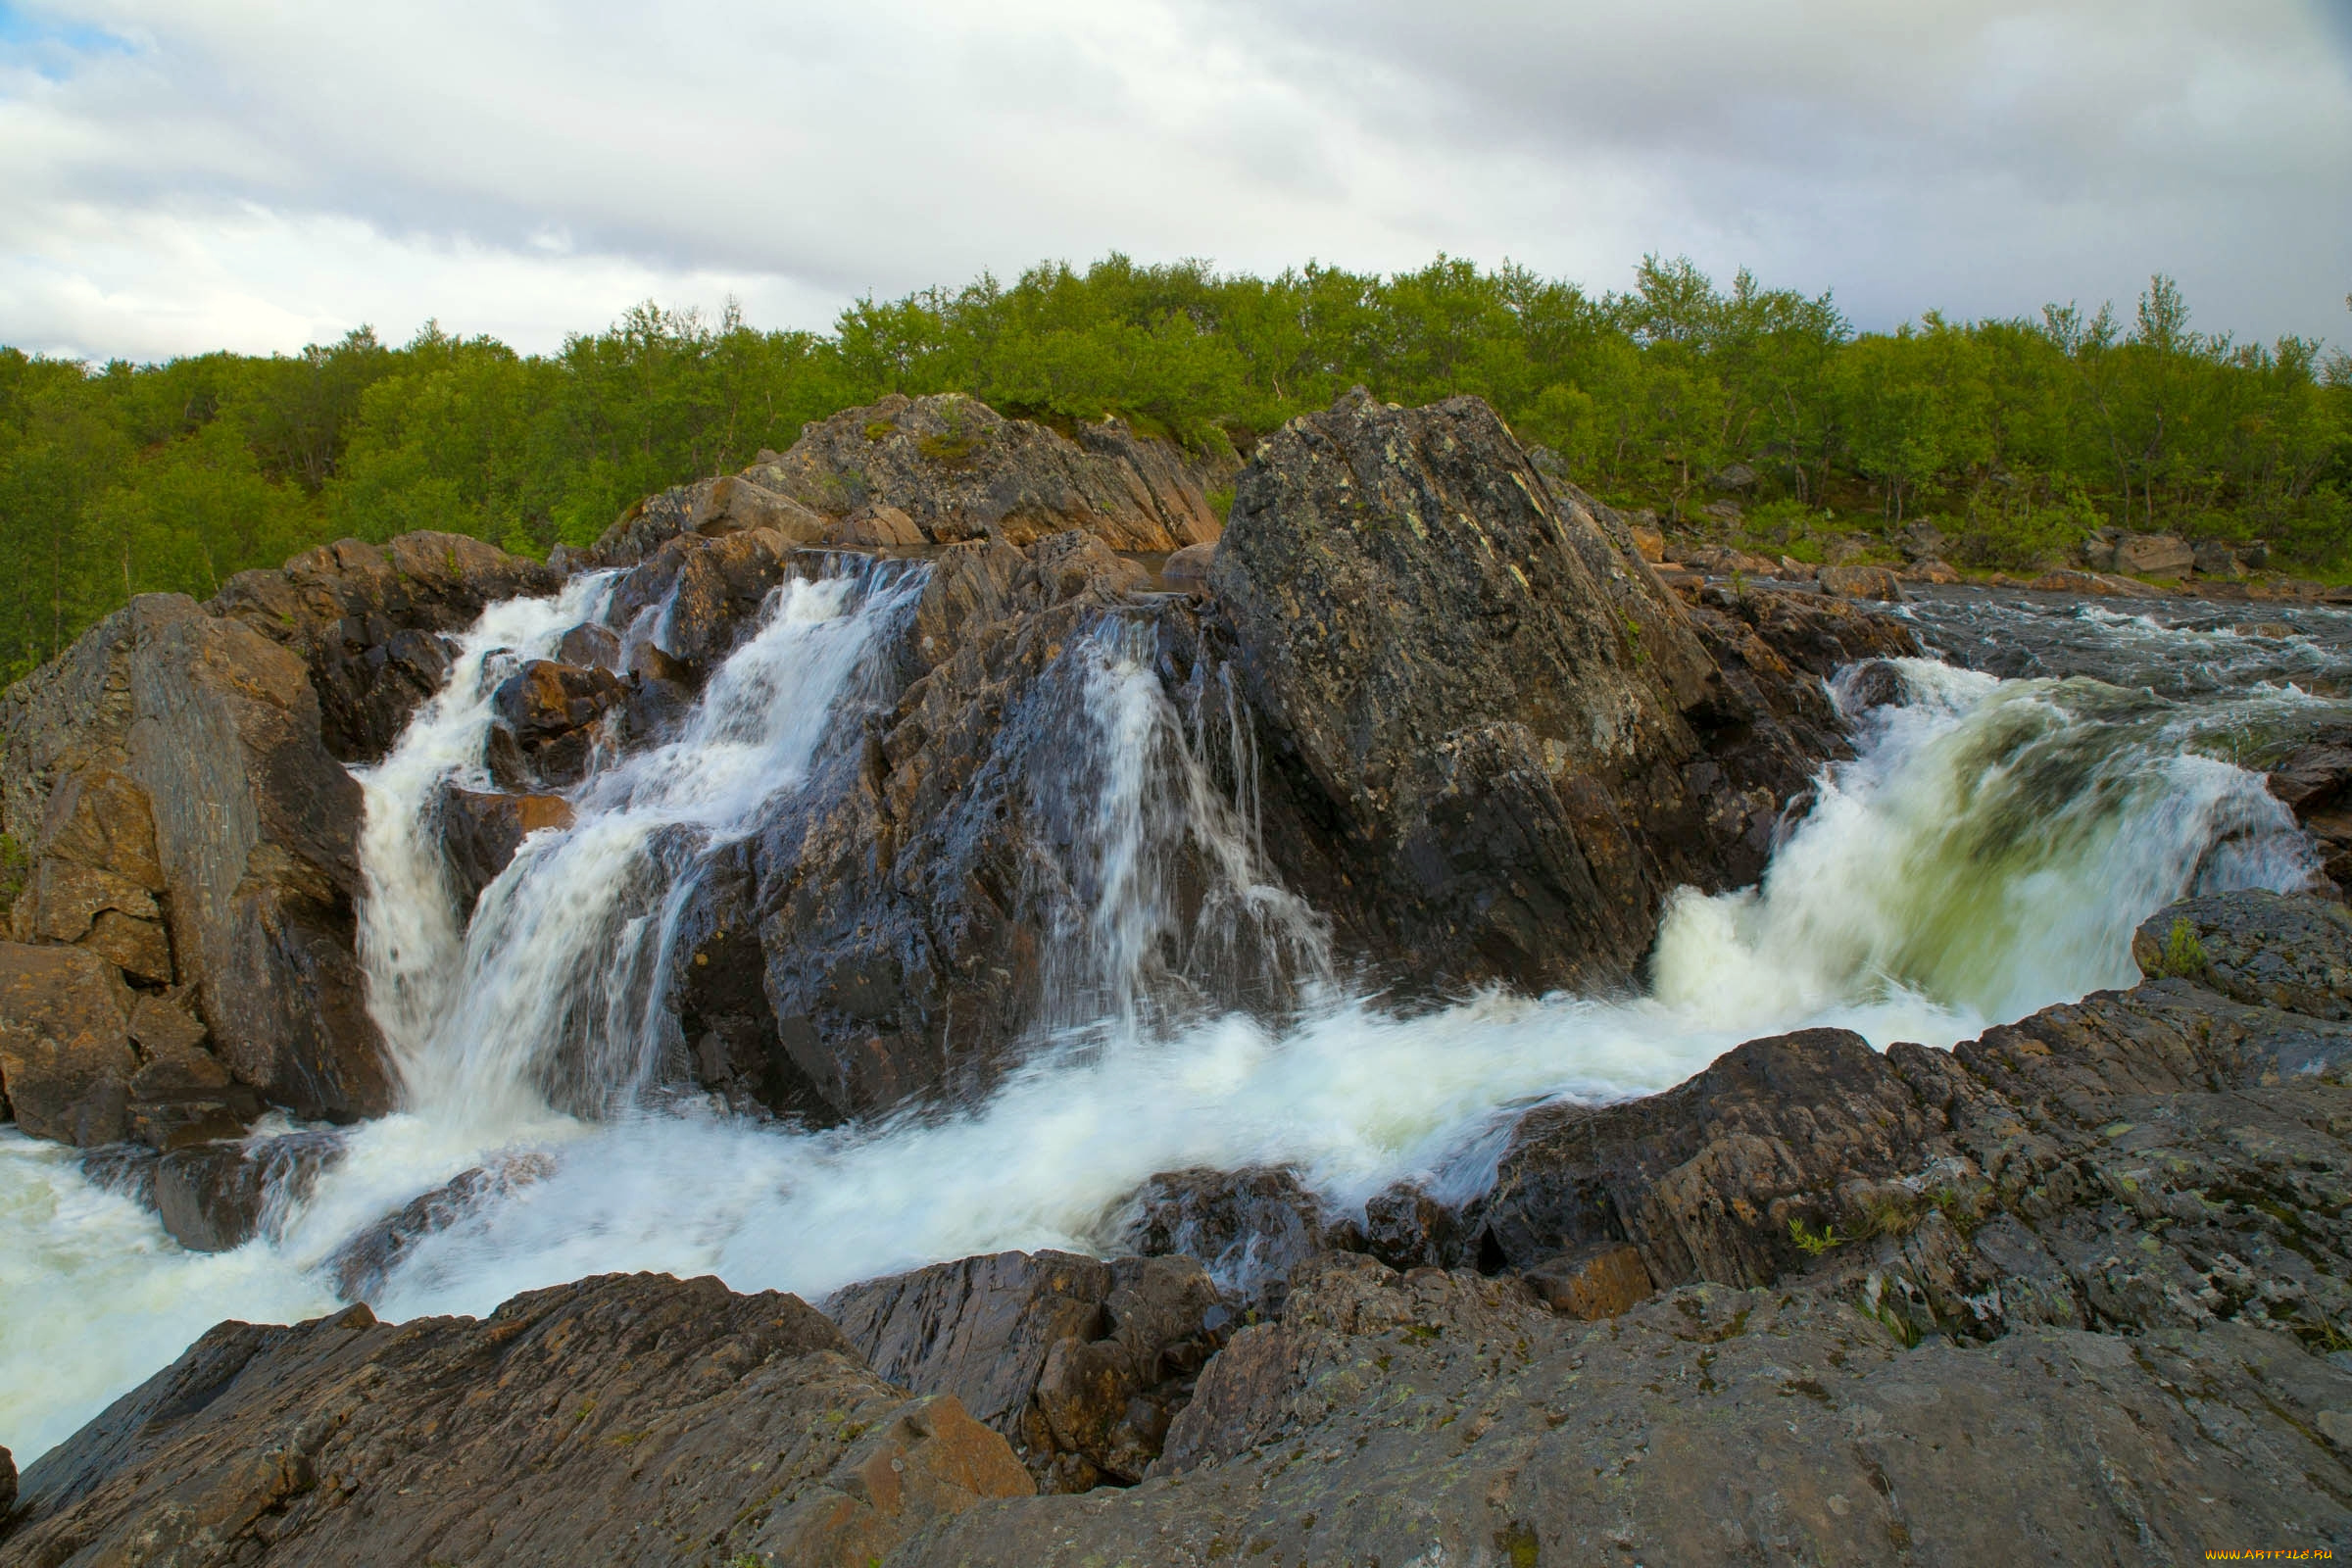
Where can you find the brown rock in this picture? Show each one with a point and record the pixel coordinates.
(2154, 555)
(256, 831)
(637, 1418)
(1081, 1363)
(736, 503)
(480, 833)
(1861, 582)
(548, 710)
(1931, 571)
(589, 645)
(369, 623)
(361, 1264)
(1650, 543)
(216, 1196)
(961, 470)
(1598, 1283)
(1188, 567)
(1438, 640)
(877, 525)
(64, 1049)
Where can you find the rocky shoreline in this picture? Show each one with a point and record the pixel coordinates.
(2075, 1288)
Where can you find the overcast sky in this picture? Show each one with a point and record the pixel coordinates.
(185, 175)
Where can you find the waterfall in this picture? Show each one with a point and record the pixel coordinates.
(1158, 830)
(552, 996)
(1987, 852)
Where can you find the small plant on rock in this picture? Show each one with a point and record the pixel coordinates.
(1813, 1242)
(2183, 955)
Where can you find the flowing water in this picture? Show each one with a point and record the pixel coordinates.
(1989, 852)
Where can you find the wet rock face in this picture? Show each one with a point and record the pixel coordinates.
(1484, 689)
(546, 713)
(635, 1412)
(367, 623)
(923, 899)
(2162, 1157)
(2264, 948)
(1082, 1364)
(480, 832)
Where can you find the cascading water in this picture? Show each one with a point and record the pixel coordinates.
(1987, 852)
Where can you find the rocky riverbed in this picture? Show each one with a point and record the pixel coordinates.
(1089, 957)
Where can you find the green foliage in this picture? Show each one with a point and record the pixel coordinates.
(14, 866)
(1813, 1242)
(2183, 955)
(2022, 435)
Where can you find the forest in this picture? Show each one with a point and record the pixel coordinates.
(2016, 437)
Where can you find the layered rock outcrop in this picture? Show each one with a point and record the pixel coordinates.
(176, 783)
(637, 1419)
(939, 469)
(1491, 703)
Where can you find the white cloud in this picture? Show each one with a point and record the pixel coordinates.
(177, 176)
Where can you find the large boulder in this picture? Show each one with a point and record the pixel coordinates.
(1485, 693)
(2155, 555)
(951, 469)
(186, 823)
(257, 834)
(369, 623)
(638, 1418)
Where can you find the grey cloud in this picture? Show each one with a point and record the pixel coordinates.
(1977, 157)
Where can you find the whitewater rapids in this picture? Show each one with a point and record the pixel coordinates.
(1987, 853)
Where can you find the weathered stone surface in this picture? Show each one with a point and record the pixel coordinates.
(2266, 948)
(256, 832)
(1432, 1418)
(1600, 1282)
(961, 470)
(1081, 1363)
(636, 1419)
(1249, 1227)
(902, 896)
(1482, 688)
(735, 503)
(181, 1094)
(1861, 582)
(705, 593)
(2154, 555)
(876, 526)
(1188, 567)
(66, 1059)
(1942, 573)
(480, 833)
(367, 623)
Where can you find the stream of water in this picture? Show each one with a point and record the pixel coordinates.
(1987, 852)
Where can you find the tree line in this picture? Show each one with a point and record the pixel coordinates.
(2014, 437)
